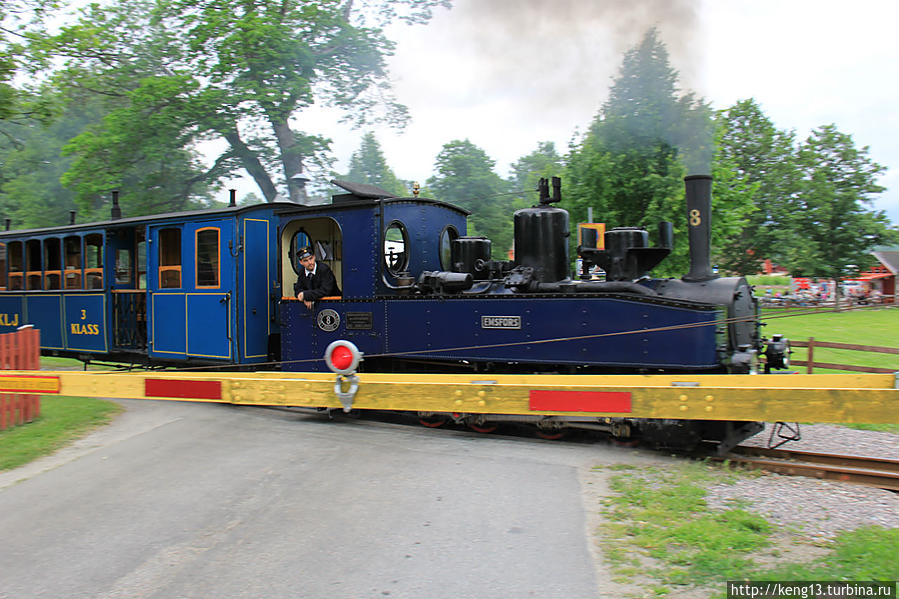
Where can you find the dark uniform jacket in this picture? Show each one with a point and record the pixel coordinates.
(317, 286)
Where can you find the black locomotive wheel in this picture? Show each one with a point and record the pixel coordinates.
(432, 419)
(551, 431)
(480, 424)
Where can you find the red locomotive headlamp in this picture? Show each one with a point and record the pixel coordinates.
(342, 357)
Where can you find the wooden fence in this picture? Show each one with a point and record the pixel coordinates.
(19, 351)
(810, 363)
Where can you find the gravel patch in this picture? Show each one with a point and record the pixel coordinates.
(817, 508)
(830, 438)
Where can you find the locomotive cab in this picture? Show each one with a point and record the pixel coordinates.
(323, 235)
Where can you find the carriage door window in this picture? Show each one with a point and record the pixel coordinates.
(93, 261)
(123, 267)
(170, 258)
(33, 268)
(73, 266)
(140, 243)
(15, 266)
(208, 257)
(396, 248)
(52, 264)
(2, 267)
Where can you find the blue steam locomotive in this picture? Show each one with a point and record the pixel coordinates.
(215, 287)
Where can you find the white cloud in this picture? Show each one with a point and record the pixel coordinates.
(507, 74)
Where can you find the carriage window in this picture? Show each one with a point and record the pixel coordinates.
(2, 267)
(170, 258)
(73, 264)
(52, 264)
(93, 261)
(208, 257)
(447, 236)
(33, 268)
(141, 244)
(396, 244)
(16, 263)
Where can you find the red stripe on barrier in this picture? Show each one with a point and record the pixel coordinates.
(183, 389)
(580, 401)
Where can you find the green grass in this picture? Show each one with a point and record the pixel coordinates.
(769, 280)
(56, 363)
(867, 553)
(661, 530)
(862, 327)
(62, 420)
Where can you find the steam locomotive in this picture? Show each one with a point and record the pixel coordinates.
(215, 287)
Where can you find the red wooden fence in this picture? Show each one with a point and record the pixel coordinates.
(19, 351)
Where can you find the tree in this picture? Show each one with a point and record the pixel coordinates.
(760, 161)
(236, 72)
(833, 228)
(17, 19)
(544, 162)
(465, 177)
(368, 165)
(629, 167)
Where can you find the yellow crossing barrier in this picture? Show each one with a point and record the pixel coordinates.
(868, 398)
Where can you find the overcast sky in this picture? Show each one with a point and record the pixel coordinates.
(507, 74)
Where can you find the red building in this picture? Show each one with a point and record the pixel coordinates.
(882, 277)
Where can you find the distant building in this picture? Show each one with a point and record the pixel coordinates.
(769, 268)
(882, 277)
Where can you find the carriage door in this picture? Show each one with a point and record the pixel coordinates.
(192, 271)
(126, 255)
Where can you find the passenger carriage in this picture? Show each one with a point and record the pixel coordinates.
(173, 288)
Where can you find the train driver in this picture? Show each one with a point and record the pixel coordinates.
(316, 281)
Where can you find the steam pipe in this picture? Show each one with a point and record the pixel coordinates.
(71, 217)
(699, 225)
(592, 287)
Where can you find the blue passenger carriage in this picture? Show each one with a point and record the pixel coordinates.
(195, 287)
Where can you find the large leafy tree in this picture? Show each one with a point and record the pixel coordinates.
(543, 162)
(368, 165)
(236, 73)
(465, 177)
(833, 225)
(17, 19)
(759, 161)
(629, 167)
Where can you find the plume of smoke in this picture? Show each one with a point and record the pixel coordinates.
(563, 53)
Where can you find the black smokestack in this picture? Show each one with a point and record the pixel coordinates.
(233, 200)
(699, 224)
(71, 217)
(116, 212)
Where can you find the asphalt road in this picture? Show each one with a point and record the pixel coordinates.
(211, 501)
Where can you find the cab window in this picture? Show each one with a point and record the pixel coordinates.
(396, 248)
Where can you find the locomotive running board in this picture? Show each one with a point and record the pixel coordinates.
(849, 398)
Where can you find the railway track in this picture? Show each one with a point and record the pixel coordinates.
(875, 472)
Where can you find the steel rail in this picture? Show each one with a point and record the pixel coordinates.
(875, 472)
